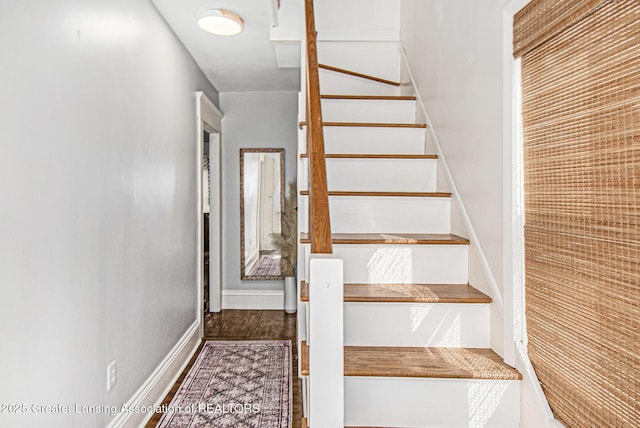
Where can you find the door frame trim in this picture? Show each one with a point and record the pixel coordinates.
(209, 119)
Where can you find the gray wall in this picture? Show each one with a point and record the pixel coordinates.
(251, 119)
(454, 49)
(97, 214)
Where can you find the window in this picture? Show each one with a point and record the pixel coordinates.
(580, 63)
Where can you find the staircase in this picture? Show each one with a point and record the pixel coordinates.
(416, 334)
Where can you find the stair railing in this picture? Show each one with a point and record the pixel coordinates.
(319, 222)
(325, 271)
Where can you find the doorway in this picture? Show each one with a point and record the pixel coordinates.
(208, 207)
(211, 219)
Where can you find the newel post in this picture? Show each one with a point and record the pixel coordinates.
(326, 342)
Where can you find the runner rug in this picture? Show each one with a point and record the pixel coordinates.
(235, 384)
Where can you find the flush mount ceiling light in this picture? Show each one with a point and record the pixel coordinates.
(221, 22)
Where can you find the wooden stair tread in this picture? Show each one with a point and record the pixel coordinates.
(393, 238)
(304, 358)
(368, 97)
(459, 363)
(371, 156)
(370, 124)
(399, 194)
(407, 293)
(421, 362)
(356, 74)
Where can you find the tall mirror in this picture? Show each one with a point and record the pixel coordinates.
(261, 204)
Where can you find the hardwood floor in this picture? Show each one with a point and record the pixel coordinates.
(249, 325)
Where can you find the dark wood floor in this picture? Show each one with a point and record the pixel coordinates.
(249, 325)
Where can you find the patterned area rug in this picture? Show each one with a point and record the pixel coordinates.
(235, 384)
(267, 265)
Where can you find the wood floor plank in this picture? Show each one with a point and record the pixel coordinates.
(458, 363)
(385, 194)
(407, 293)
(392, 238)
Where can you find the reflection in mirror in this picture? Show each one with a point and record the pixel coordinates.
(261, 203)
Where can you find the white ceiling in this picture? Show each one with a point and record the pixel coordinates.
(245, 62)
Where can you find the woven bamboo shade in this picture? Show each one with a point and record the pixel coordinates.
(581, 133)
(542, 19)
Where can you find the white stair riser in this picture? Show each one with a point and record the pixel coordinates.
(348, 139)
(378, 111)
(377, 214)
(432, 403)
(334, 83)
(398, 264)
(445, 325)
(408, 175)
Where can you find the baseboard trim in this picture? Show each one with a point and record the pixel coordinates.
(253, 299)
(529, 372)
(156, 387)
(496, 295)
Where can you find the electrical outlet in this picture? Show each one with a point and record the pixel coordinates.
(112, 375)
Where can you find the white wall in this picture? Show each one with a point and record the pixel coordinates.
(346, 19)
(454, 51)
(98, 202)
(252, 119)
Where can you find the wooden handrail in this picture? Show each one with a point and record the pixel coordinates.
(356, 74)
(319, 223)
